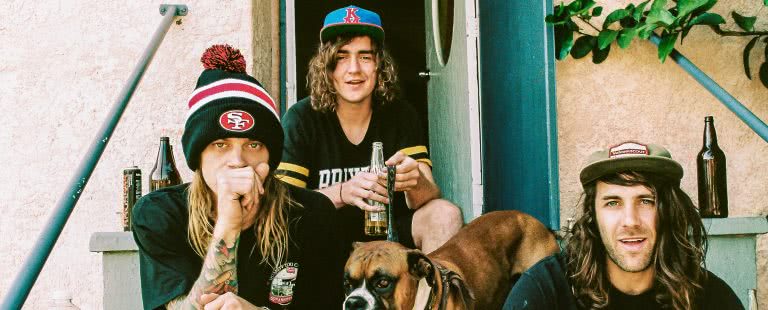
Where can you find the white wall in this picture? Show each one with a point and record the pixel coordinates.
(63, 64)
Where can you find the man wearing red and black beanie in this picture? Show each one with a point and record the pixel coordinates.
(235, 236)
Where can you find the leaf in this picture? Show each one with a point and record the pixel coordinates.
(563, 41)
(583, 46)
(574, 7)
(625, 37)
(707, 19)
(658, 5)
(667, 45)
(638, 12)
(660, 17)
(645, 31)
(764, 74)
(606, 37)
(685, 31)
(686, 7)
(704, 8)
(599, 55)
(747, 23)
(614, 17)
(745, 56)
(599, 10)
(587, 5)
(559, 9)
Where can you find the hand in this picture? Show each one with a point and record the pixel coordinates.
(228, 301)
(239, 193)
(364, 185)
(407, 174)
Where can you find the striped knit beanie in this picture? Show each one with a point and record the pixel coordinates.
(228, 103)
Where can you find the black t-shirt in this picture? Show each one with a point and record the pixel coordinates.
(717, 295)
(545, 286)
(309, 278)
(317, 153)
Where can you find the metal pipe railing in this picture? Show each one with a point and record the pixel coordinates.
(757, 125)
(29, 272)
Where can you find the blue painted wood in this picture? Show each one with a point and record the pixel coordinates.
(517, 89)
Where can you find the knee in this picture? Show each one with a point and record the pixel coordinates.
(442, 213)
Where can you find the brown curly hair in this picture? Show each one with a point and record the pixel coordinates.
(678, 255)
(320, 75)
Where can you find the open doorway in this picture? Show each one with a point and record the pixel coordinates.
(403, 22)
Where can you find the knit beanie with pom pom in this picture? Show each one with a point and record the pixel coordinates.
(228, 103)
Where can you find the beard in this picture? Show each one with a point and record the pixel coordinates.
(628, 262)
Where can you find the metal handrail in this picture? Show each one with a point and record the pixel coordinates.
(29, 272)
(749, 118)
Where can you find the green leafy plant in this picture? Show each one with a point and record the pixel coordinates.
(670, 20)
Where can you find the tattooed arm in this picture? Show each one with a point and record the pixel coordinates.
(237, 203)
(219, 274)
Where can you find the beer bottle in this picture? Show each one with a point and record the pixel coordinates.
(164, 173)
(376, 222)
(710, 164)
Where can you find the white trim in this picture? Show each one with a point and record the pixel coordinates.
(474, 101)
(232, 94)
(290, 50)
(227, 81)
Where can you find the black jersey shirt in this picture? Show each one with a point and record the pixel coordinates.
(309, 278)
(317, 153)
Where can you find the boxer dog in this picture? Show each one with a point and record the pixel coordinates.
(474, 270)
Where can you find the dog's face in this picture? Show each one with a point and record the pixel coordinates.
(383, 275)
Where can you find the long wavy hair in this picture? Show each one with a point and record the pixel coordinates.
(270, 228)
(321, 67)
(678, 255)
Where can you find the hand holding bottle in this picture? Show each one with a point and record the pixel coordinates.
(362, 187)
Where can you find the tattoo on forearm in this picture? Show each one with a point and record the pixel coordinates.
(219, 274)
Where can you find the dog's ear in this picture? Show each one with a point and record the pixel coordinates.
(420, 266)
(465, 296)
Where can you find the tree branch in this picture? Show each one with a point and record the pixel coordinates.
(730, 33)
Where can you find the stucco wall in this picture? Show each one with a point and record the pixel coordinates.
(64, 63)
(632, 96)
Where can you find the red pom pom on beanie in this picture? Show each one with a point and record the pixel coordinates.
(223, 57)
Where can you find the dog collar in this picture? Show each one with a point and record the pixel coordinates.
(446, 276)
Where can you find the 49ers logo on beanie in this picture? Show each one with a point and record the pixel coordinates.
(236, 120)
(228, 103)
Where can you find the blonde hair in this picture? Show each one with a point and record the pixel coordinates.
(270, 228)
(321, 67)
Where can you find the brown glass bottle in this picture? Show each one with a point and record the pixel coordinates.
(164, 173)
(376, 221)
(710, 163)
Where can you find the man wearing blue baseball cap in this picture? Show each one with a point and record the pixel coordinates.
(354, 101)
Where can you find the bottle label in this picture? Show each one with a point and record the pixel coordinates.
(374, 217)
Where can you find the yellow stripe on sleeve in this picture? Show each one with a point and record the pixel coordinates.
(414, 150)
(292, 181)
(295, 168)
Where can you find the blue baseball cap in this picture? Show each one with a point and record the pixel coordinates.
(352, 19)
